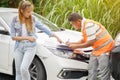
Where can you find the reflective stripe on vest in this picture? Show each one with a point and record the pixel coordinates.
(104, 44)
(104, 41)
(101, 35)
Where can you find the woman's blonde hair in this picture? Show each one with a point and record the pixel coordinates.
(28, 21)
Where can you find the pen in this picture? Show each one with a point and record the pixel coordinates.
(68, 40)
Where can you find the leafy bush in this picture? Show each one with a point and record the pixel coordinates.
(106, 12)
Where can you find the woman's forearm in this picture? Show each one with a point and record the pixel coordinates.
(30, 38)
(58, 39)
(18, 38)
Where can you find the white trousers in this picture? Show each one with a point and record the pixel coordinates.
(24, 55)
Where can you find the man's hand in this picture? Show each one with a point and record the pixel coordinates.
(78, 51)
(80, 45)
(73, 46)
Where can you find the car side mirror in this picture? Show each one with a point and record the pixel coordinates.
(4, 32)
(117, 39)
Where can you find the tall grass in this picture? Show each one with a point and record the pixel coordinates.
(106, 12)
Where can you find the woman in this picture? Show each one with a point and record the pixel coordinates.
(23, 32)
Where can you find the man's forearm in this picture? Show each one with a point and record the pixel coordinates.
(82, 45)
(86, 44)
(78, 42)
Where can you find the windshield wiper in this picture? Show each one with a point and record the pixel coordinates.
(62, 29)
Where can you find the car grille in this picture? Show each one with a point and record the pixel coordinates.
(72, 73)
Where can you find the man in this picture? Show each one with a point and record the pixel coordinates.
(95, 35)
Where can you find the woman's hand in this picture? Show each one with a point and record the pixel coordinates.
(59, 40)
(30, 38)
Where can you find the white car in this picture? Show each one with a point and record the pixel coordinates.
(115, 59)
(50, 63)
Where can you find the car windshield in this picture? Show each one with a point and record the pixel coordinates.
(8, 16)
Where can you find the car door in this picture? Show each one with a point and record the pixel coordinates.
(4, 46)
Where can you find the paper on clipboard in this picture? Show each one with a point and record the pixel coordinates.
(64, 47)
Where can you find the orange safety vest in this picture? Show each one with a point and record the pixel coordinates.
(104, 42)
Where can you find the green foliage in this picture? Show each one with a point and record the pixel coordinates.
(105, 11)
(3, 3)
(9, 3)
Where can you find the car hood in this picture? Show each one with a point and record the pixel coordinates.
(65, 35)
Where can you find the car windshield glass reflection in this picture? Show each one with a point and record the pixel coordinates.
(9, 16)
(46, 22)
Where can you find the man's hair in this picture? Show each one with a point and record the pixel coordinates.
(74, 17)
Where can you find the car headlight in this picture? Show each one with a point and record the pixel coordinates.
(61, 53)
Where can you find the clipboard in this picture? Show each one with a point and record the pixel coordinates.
(64, 47)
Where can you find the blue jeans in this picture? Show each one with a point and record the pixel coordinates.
(24, 55)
